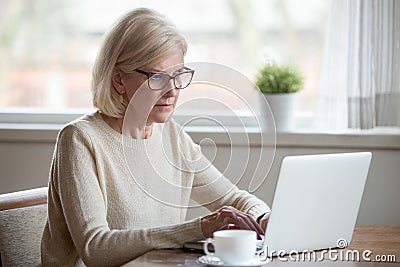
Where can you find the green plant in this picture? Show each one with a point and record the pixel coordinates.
(276, 79)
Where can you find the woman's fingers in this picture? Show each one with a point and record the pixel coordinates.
(240, 219)
(264, 221)
(229, 218)
(251, 221)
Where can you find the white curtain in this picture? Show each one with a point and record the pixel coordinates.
(360, 76)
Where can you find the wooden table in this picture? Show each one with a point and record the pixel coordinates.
(380, 240)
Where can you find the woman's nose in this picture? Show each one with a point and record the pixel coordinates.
(172, 91)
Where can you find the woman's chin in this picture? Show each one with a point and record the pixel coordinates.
(161, 117)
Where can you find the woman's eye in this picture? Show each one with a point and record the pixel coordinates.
(156, 76)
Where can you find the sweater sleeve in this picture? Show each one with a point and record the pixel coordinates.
(77, 195)
(213, 190)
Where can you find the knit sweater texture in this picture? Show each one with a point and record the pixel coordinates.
(113, 198)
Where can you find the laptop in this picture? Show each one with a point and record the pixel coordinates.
(316, 203)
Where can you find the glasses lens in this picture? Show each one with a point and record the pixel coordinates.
(158, 81)
(182, 80)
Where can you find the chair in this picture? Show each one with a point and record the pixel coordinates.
(23, 216)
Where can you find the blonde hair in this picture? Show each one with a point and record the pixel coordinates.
(139, 38)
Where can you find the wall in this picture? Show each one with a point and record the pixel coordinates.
(25, 161)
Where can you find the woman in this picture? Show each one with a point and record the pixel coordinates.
(113, 197)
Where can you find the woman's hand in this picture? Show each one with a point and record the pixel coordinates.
(228, 218)
(264, 221)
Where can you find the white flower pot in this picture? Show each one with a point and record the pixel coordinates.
(283, 108)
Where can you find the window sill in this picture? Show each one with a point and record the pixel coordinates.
(384, 139)
(380, 139)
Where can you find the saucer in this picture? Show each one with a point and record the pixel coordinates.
(215, 261)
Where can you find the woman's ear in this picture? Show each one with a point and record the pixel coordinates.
(116, 79)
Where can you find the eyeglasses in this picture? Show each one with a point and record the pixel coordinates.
(159, 80)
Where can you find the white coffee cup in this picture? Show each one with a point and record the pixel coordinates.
(233, 246)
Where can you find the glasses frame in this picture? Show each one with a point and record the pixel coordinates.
(151, 73)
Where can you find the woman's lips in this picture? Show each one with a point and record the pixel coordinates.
(165, 106)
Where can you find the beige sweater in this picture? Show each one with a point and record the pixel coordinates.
(112, 199)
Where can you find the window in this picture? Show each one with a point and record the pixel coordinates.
(47, 48)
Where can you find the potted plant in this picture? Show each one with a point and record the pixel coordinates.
(279, 85)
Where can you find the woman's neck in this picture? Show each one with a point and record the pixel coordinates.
(133, 131)
(148, 129)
